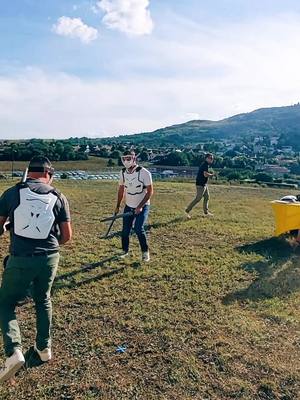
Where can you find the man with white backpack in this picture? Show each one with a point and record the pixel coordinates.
(39, 221)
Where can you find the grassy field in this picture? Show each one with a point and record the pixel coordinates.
(93, 164)
(215, 315)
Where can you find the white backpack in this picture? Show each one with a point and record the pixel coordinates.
(134, 185)
(34, 216)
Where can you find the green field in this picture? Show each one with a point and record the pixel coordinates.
(215, 315)
(92, 164)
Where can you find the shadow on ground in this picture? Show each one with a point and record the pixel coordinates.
(277, 274)
(68, 280)
(149, 227)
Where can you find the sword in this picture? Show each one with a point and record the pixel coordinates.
(7, 226)
(24, 176)
(117, 216)
(113, 218)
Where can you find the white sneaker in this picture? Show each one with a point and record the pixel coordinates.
(124, 255)
(12, 365)
(45, 355)
(208, 214)
(146, 256)
(187, 214)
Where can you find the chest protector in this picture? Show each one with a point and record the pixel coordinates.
(34, 216)
(132, 182)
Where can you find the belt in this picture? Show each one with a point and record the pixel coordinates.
(35, 253)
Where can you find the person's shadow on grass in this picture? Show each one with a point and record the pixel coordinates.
(148, 227)
(278, 274)
(68, 280)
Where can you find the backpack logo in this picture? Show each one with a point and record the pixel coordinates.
(34, 217)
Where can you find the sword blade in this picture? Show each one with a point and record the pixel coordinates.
(117, 216)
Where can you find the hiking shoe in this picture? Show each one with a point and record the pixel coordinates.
(208, 214)
(146, 256)
(12, 365)
(45, 355)
(187, 215)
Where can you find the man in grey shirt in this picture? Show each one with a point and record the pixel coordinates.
(39, 220)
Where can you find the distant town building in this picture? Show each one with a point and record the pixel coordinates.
(275, 170)
(274, 140)
(288, 150)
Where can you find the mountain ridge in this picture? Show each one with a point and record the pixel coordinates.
(283, 122)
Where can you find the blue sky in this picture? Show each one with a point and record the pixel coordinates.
(108, 67)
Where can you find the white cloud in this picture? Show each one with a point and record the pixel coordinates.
(64, 106)
(75, 28)
(130, 16)
(211, 74)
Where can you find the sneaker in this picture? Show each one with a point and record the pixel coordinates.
(124, 255)
(208, 214)
(45, 355)
(12, 365)
(146, 256)
(187, 214)
(32, 359)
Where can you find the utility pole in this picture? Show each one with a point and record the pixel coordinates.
(12, 161)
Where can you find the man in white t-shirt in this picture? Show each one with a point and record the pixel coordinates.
(135, 187)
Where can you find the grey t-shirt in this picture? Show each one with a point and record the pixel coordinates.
(19, 245)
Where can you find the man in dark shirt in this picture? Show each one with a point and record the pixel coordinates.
(202, 187)
(39, 222)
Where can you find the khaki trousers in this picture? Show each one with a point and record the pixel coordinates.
(202, 191)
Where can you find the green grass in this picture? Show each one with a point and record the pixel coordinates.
(215, 314)
(93, 164)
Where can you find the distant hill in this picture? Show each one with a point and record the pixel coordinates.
(275, 121)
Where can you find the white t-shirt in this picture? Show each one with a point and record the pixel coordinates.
(135, 185)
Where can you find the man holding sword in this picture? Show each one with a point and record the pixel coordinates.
(39, 223)
(136, 189)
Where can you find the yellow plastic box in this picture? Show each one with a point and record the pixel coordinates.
(287, 216)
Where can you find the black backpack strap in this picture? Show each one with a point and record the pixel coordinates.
(56, 193)
(21, 185)
(138, 169)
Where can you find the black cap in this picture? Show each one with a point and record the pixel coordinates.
(40, 164)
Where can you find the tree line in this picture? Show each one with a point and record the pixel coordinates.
(54, 150)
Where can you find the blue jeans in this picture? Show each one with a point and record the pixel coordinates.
(139, 229)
